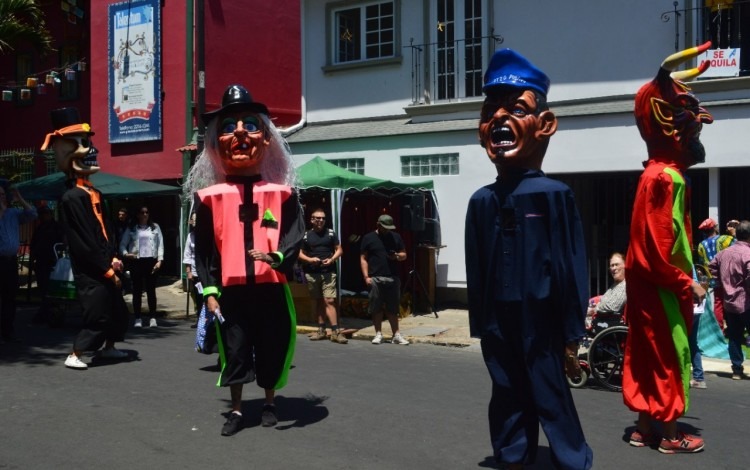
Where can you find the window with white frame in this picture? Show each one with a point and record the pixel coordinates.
(461, 42)
(429, 165)
(363, 31)
(355, 165)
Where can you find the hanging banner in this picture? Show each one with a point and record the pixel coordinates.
(135, 111)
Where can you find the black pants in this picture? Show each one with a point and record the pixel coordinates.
(141, 271)
(105, 315)
(8, 291)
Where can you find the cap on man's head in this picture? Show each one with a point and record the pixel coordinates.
(508, 68)
(734, 223)
(386, 221)
(707, 224)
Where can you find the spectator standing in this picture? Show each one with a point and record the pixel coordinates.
(723, 242)
(44, 257)
(708, 248)
(380, 253)
(143, 245)
(191, 273)
(320, 250)
(122, 225)
(731, 267)
(526, 274)
(11, 219)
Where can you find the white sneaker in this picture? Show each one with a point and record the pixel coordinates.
(74, 363)
(152, 323)
(138, 323)
(112, 353)
(398, 339)
(378, 338)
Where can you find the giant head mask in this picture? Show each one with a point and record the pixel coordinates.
(239, 132)
(515, 124)
(669, 116)
(74, 152)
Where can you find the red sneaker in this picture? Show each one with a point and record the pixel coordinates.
(638, 439)
(684, 444)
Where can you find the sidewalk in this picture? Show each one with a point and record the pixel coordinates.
(450, 328)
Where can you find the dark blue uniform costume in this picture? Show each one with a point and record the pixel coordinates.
(527, 286)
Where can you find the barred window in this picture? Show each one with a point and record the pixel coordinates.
(429, 165)
(355, 165)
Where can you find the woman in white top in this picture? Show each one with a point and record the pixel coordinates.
(143, 246)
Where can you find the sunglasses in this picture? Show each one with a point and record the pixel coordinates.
(318, 218)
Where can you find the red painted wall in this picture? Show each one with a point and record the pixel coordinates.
(153, 160)
(257, 45)
(25, 126)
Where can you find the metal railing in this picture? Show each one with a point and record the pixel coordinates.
(726, 25)
(449, 70)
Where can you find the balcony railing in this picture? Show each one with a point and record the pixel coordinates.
(725, 24)
(449, 70)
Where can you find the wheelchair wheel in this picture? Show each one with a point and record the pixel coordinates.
(606, 357)
(580, 382)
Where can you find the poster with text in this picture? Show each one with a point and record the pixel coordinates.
(135, 112)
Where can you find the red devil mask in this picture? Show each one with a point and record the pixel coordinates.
(669, 116)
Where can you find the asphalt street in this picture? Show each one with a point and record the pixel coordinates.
(355, 406)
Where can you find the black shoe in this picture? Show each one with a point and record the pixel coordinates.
(233, 424)
(194, 325)
(268, 418)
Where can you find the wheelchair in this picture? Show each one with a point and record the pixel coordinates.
(604, 352)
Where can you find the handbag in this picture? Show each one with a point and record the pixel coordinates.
(205, 333)
(61, 282)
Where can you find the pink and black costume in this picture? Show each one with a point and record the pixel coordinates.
(233, 217)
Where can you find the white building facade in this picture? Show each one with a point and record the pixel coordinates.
(393, 89)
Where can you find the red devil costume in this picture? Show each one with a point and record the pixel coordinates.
(660, 288)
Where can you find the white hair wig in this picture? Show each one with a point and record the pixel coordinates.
(277, 165)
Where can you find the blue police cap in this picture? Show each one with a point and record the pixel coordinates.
(511, 69)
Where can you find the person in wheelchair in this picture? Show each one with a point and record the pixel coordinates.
(607, 309)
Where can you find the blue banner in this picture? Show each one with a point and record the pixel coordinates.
(134, 37)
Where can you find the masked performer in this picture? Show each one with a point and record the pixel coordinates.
(248, 233)
(661, 289)
(526, 273)
(91, 244)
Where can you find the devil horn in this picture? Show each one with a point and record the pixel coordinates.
(674, 60)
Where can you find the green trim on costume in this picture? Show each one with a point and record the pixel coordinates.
(222, 355)
(276, 264)
(682, 258)
(211, 290)
(292, 338)
(268, 215)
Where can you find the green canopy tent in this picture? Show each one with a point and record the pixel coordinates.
(51, 187)
(113, 188)
(365, 198)
(321, 174)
